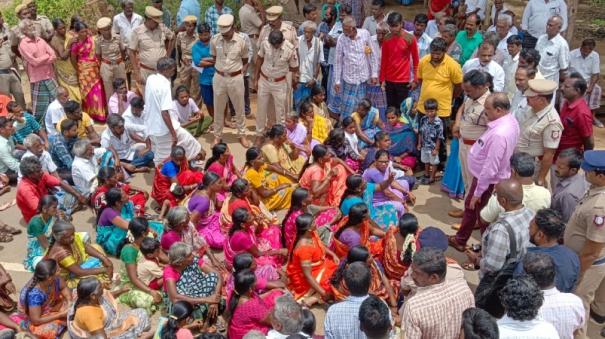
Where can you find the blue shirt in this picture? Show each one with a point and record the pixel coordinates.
(212, 15)
(567, 266)
(430, 131)
(170, 169)
(29, 125)
(199, 50)
(188, 7)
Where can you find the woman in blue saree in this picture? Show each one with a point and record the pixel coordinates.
(358, 190)
(113, 219)
(452, 183)
(367, 119)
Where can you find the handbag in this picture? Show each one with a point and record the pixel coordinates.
(487, 292)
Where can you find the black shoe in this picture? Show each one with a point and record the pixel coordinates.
(599, 319)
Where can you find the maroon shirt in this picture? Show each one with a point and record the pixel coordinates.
(576, 118)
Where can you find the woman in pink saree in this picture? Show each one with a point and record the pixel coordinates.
(205, 207)
(85, 61)
(263, 243)
(221, 163)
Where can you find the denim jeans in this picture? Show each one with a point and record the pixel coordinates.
(142, 160)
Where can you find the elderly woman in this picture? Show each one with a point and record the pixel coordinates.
(189, 278)
(95, 314)
(273, 188)
(205, 209)
(75, 256)
(173, 174)
(325, 177)
(281, 154)
(44, 301)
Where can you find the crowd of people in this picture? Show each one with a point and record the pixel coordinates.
(353, 112)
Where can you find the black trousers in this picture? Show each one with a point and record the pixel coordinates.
(396, 92)
(529, 41)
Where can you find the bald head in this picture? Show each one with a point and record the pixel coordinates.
(510, 193)
(496, 106)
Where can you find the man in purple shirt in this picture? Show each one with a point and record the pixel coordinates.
(488, 162)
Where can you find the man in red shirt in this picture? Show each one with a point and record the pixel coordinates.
(35, 184)
(395, 68)
(576, 116)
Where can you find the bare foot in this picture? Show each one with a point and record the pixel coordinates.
(6, 205)
(244, 141)
(216, 141)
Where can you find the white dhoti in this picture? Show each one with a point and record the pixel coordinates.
(162, 145)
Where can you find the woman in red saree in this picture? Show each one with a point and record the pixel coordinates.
(400, 244)
(379, 284)
(311, 264)
(84, 59)
(175, 170)
(355, 229)
(325, 178)
(109, 178)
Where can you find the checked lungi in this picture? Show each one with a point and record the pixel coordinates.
(350, 96)
(43, 93)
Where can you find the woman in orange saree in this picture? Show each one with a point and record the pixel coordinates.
(400, 244)
(379, 284)
(310, 265)
(325, 178)
(355, 229)
(87, 65)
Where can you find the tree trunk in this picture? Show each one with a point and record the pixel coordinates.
(572, 6)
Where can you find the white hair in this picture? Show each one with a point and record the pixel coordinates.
(79, 148)
(349, 20)
(507, 18)
(31, 140)
(309, 24)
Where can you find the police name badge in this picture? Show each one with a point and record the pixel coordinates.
(599, 220)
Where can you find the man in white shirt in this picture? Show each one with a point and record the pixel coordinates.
(125, 22)
(131, 152)
(503, 25)
(133, 117)
(55, 112)
(554, 51)
(35, 148)
(484, 62)
(163, 129)
(522, 299)
(519, 107)
(310, 56)
(378, 15)
(85, 167)
(564, 311)
(476, 7)
(423, 40)
(586, 61)
(510, 64)
(535, 16)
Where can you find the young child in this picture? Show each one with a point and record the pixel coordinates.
(352, 140)
(188, 114)
(150, 270)
(180, 322)
(430, 137)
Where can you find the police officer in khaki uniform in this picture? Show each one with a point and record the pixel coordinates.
(276, 58)
(111, 52)
(44, 27)
(585, 234)
(541, 128)
(230, 56)
(10, 83)
(148, 43)
(252, 19)
(184, 42)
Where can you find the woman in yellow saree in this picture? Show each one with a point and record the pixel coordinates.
(281, 154)
(273, 189)
(64, 70)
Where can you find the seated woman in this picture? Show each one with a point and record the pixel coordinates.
(39, 231)
(310, 265)
(297, 132)
(119, 101)
(109, 178)
(180, 229)
(316, 121)
(278, 152)
(205, 209)
(273, 188)
(399, 245)
(245, 235)
(339, 147)
(246, 261)
(76, 257)
(379, 285)
(398, 191)
(247, 309)
(243, 196)
(95, 314)
(367, 122)
(180, 322)
(44, 301)
(189, 278)
(383, 143)
(221, 163)
(325, 177)
(355, 229)
(324, 217)
(360, 191)
(111, 226)
(174, 171)
(402, 136)
(140, 294)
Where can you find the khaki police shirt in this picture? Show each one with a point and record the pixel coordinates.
(539, 131)
(249, 20)
(473, 121)
(150, 45)
(277, 62)
(44, 27)
(587, 221)
(228, 54)
(6, 54)
(110, 50)
(287, 30)
(185, 43)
